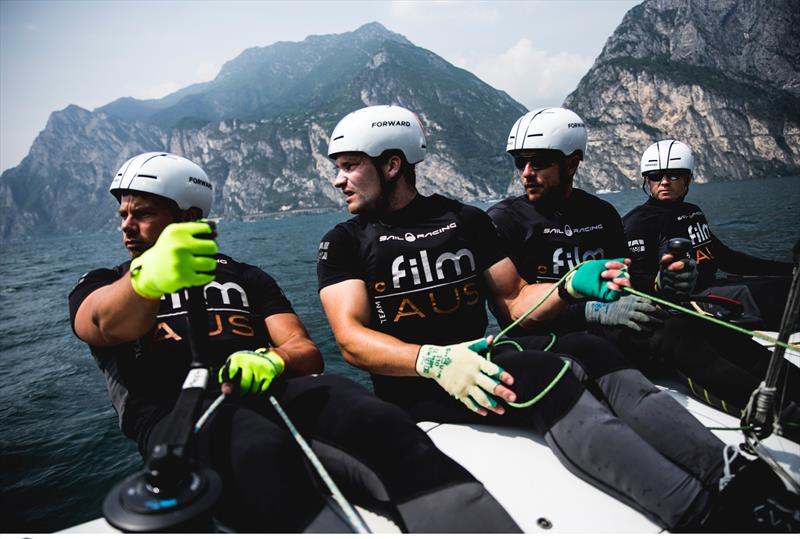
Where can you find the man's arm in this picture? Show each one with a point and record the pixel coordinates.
(346, 305)
(126, 309)
(732, 261)
(114, 314)
(600, 279)
(293, 344)
(513, 296)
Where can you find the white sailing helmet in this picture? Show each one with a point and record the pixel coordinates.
(167, 175)
(549, 128)
(667, 155)
(373, 130)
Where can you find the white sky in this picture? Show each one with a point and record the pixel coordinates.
(88, 53)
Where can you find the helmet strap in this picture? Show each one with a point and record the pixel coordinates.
(388, 186)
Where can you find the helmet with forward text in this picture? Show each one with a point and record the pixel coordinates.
(373, 130)
(667, 154)
(166, 175)
(549, 128)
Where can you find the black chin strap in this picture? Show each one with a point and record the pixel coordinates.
(387, 188)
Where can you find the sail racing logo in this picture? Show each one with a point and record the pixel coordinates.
(569, 231)
(410, 236)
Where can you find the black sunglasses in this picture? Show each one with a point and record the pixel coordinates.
(538, 161)
(672, 175)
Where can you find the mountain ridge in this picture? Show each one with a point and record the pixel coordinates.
(266, 150)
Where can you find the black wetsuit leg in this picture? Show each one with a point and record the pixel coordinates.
(266, 483)
(651, 413)
(373, 450)
(586, 436)
(385, 461)
(728, 364)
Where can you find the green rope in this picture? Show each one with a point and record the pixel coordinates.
(545, 391)
(499, 342)
(537, 305)
(714, 320)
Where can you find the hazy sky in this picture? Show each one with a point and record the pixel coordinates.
(88, 53)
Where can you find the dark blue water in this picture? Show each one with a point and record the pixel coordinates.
(59, 444)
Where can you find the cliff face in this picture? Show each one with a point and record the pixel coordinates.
(720, 75)
(260, 130)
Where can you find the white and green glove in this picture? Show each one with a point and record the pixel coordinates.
(462, 371)
(629, 311)
(179, 259)
(251, 371)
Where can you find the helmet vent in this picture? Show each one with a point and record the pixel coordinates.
(147, 176)
(340, 136)
(536, 135)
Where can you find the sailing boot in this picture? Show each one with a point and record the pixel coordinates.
(754, 501)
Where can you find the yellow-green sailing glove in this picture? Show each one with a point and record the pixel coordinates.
(586, 281)
(179, 259)
(462, 371)
(251, 371)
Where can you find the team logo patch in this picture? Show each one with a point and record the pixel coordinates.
(323, 250)
(636, 246)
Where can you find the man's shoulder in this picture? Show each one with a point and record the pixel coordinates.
(593, 201)
(348, 228)
(641, 211)
(101, 275)
(509, 205)
(440, 204)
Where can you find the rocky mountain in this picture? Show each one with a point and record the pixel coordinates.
(260, 130)
(721, 75)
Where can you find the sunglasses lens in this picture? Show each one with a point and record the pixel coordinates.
(538, 161)
(656, 175)
(520, 161)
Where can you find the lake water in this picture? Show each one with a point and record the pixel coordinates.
(60, 445)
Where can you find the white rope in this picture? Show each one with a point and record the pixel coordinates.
(356, 522)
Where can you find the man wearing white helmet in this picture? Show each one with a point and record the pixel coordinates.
(404, 285)
(726, 365)
(134, 319)
(667, 169)
(554, 226)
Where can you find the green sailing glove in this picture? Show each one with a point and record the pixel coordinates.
(587, 282)
(252, 371)
(177, 260)
(462, 371)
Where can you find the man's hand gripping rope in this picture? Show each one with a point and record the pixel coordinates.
(463, 371)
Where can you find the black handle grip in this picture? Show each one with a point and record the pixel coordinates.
(679, 248)
(197, 327)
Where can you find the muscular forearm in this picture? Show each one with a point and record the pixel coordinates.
(300, 355)
(115, 314)
(377, 352)
(529, 296)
